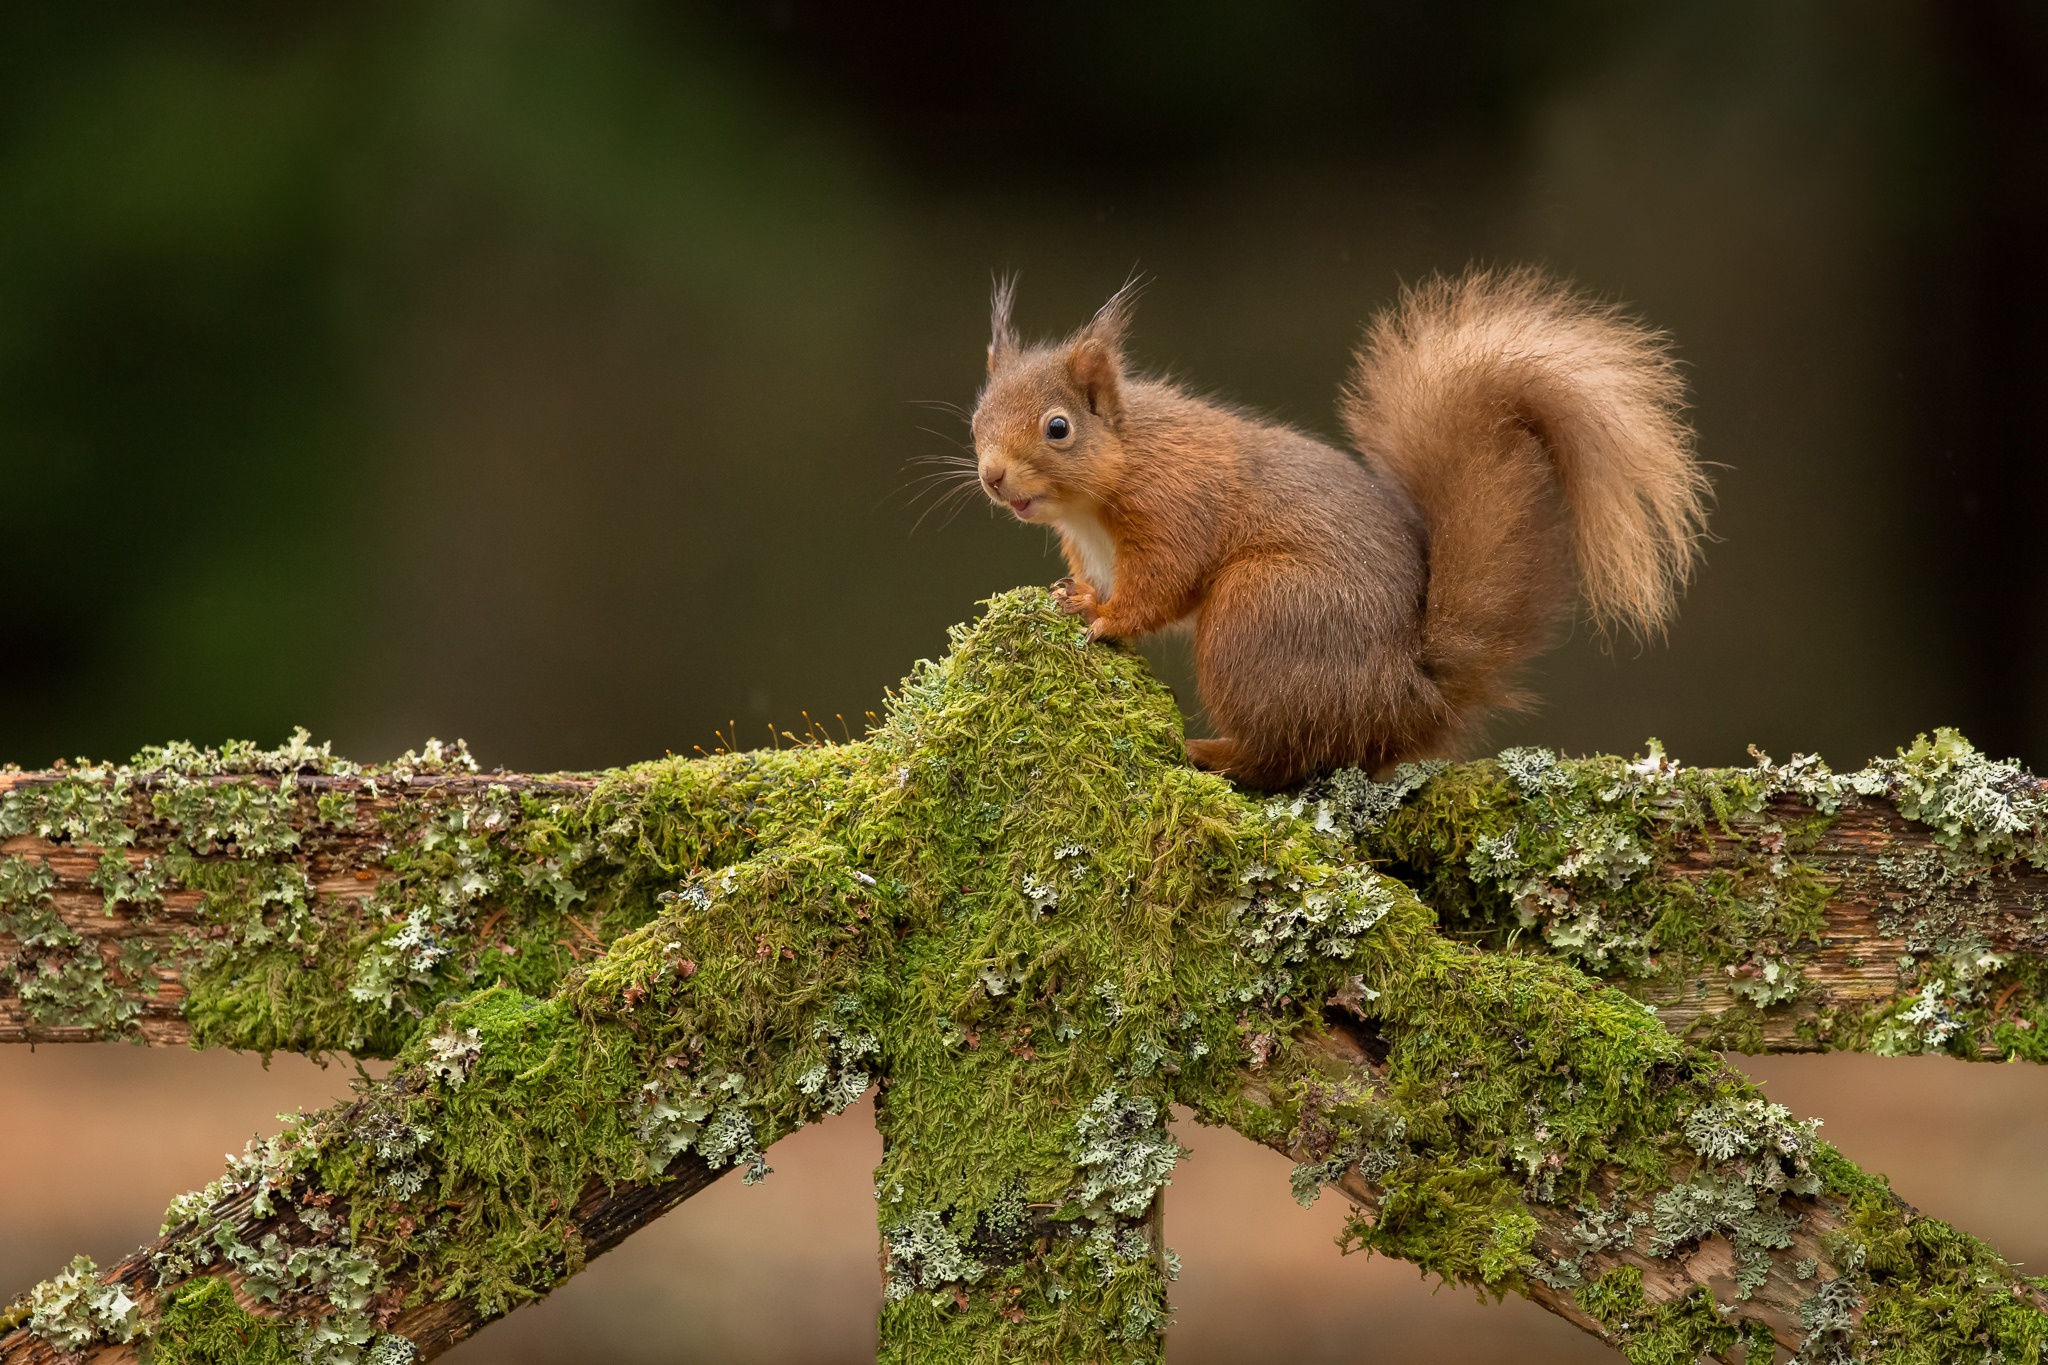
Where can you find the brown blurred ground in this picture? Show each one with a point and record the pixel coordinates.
(94, 1141)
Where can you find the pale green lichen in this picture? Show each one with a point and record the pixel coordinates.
(851, 1052)
(450, 1055)
(1599, 1229)
(324, 1291)
(1768, 981)
(73, 1309)
(1377, 1146)
(1995, 810)
(1828, 1318)
(61, 979)
(1124, 1154)
(1570, 852)
(709, 1115)
(1707, 1205)
(475, 883)
(925, 1255)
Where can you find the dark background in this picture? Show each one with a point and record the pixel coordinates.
(549, 374)
(552, 374)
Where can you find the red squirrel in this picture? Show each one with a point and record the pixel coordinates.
(1513, 446)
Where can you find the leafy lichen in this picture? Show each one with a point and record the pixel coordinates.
(74, 1309)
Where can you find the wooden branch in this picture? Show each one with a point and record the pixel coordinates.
(287, 900)
(1891, 909)
(514, 1138)
(1901, 913)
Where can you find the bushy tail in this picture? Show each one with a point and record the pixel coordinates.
(1540, 434)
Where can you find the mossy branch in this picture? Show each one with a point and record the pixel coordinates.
(285, 900)
(208, 1318)
(1020, 913)
(1902, 908)
(1746, 1232)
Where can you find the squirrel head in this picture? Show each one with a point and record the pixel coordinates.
(1047, 424)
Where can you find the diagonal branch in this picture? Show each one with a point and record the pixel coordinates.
(1748, 1232)
(603, 1217)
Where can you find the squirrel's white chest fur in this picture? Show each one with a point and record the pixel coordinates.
(1098, 551)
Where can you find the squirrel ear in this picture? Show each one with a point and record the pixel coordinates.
(1097, 372)
(1002, 342)
(1095, 361)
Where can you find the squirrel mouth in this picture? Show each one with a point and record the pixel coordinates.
(1021, 505)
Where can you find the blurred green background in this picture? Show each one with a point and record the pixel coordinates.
(554, 375)
(551, 374)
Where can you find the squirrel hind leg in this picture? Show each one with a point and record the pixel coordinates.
(1215, 755)
(1242, 764)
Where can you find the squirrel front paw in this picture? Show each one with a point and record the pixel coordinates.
(1075, 598)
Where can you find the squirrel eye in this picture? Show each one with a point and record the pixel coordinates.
(1056, 429)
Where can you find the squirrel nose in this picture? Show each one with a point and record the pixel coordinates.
(994, 477)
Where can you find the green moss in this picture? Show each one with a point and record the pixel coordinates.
(1462, 1221)
(201, 1324)
(700, 1033)
(477, 884)
(1585, 860)
(1681, 1332)
(1052, 990)
(1575, 856)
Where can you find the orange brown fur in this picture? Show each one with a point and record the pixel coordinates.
(1513, 443)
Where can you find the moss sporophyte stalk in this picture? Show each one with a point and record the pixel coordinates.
(1014, 913)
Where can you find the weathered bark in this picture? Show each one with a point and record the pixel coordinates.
(1016, 908)
(1894, 915)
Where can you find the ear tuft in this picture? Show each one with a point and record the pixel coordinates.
(1113, 319)
(1002, 343)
